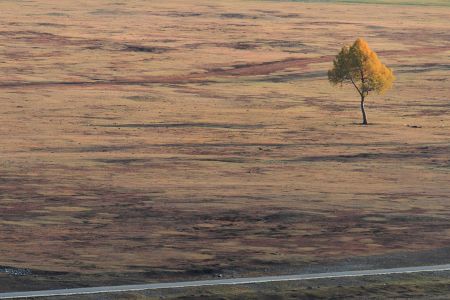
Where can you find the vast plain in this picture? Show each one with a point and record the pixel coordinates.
(155, 140)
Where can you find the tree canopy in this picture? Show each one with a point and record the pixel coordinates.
(359, 65)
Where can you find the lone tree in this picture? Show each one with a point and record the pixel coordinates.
(359, 65)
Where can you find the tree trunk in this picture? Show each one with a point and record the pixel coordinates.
(363, 111)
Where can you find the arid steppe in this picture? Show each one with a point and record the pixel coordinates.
(149, 140)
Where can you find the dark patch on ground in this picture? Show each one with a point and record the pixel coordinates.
(184, 14)
(146, 49)
(36, 37)
(111, 12)
(422, 68)
(285, 44)
(293, 77)
(237, 16)
(243, 46)
(57, 14)
(84, 149)
(291, 216)
(52, 25)
(114, 46)
(289, 15)
(122, 161)
(142, 98)
(187, 125)
(237, 160)
(425, 152)
(266, 67)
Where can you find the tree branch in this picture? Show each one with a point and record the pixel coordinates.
(360, 93)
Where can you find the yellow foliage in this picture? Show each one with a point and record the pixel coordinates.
(361, 66)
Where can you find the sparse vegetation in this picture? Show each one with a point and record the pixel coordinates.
(386, 2)
(418, 286)
(215, 144)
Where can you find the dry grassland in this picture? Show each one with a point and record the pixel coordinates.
(200, 137)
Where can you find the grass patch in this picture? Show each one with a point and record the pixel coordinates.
(383, 287)
(389, 2)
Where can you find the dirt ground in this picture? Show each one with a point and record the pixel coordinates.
(202, 137)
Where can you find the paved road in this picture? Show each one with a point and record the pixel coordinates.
(182, 284)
